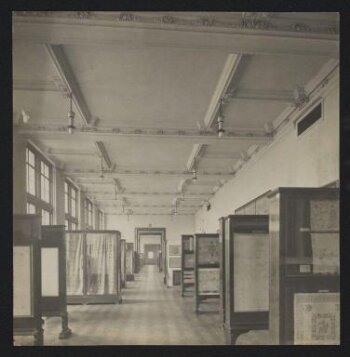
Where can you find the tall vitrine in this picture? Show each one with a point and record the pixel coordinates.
(187, 264)
(123, 262)
(222, 267)
(130, 261)
(27, 277)
(207, 268)
(53, 275)
(93, 268)
(246, 274)
(304, 266)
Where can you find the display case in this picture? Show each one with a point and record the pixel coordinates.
(123, 262)
(246, 274)
(53, 275)
(187, 264)
(93, 267)
(304, 266)
(222, 268)
(27, 277)
(130, 262)
(206, 268)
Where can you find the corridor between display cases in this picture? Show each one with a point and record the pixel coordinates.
(150, 314)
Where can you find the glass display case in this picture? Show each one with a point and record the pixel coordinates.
(246, 274)
(93, 267)
(53, 275)
(130, 261)
(187, 264)
(123, 263)
(27, 277)
(206, 268)
(304, 266)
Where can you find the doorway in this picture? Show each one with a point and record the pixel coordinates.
(151, 255)
(151, 236)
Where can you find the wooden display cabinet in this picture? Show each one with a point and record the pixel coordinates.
(53, 275)
(206, 268)
(304, 266)
(93, 267)
(123, 262)
(246, 274)
(27, 277)
(187, 264)
(130, 262)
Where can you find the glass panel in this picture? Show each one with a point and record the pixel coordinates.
(208, 281)
(66, 223)
(45, 217)
(188, 260)
(100, 263)
(74, 263)
(30, 208)
(129, 262)
(325, 253)
(45, 189)
(208, 250)
(30, 157)
(49, 272)
(74, 226)
(30, 180)
(66, 209)
(251, 272)
(22, 281)
(317, 319)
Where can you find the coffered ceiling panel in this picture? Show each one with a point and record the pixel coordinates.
(165, 87)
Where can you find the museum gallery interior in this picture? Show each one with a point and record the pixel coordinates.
(175, 178)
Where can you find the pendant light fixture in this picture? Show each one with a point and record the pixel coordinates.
(220, 119)
(101, 176)
(71, 115)
(194, 177)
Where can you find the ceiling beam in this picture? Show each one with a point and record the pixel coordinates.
(97, 134)
(150, 194)
(230, 67)
(64, 70)
(130, 173)
(229, 40)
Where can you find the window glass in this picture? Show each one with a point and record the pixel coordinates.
(30, 208)
(45, 217)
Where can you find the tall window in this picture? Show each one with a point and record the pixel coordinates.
(100, 220)
(39, 185)
(70, 206)
(88, 214)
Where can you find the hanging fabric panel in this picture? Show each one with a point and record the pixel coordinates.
(74, 263)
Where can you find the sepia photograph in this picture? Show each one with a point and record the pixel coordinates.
(175, 178)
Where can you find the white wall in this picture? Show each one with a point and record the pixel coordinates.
(310, 160)
(175, 227)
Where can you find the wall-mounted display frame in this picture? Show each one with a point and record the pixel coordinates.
(246, 274)
(93, 268)
(53, 275)
(174, 250)
(175, 262)
(27, 277)
(207, 266)
(187, 264)
(304, 251)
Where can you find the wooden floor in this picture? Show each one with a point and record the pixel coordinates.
(151, 314)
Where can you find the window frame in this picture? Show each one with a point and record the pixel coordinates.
(70, 217)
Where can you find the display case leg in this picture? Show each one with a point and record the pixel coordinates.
(39, 337)
(66, 331)
(234, 334)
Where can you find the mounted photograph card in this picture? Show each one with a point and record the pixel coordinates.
(22, 282)
(189, 261)
(208, 281)
(174, 250)
(175, 262)
(251, 272)
(317, 319)
(208, 250)
(49, 272)
(325, 253)
(324, 215)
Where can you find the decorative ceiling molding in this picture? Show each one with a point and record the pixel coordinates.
(262, 21)
(203, 137)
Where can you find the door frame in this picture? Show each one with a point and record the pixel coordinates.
(141, 231)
